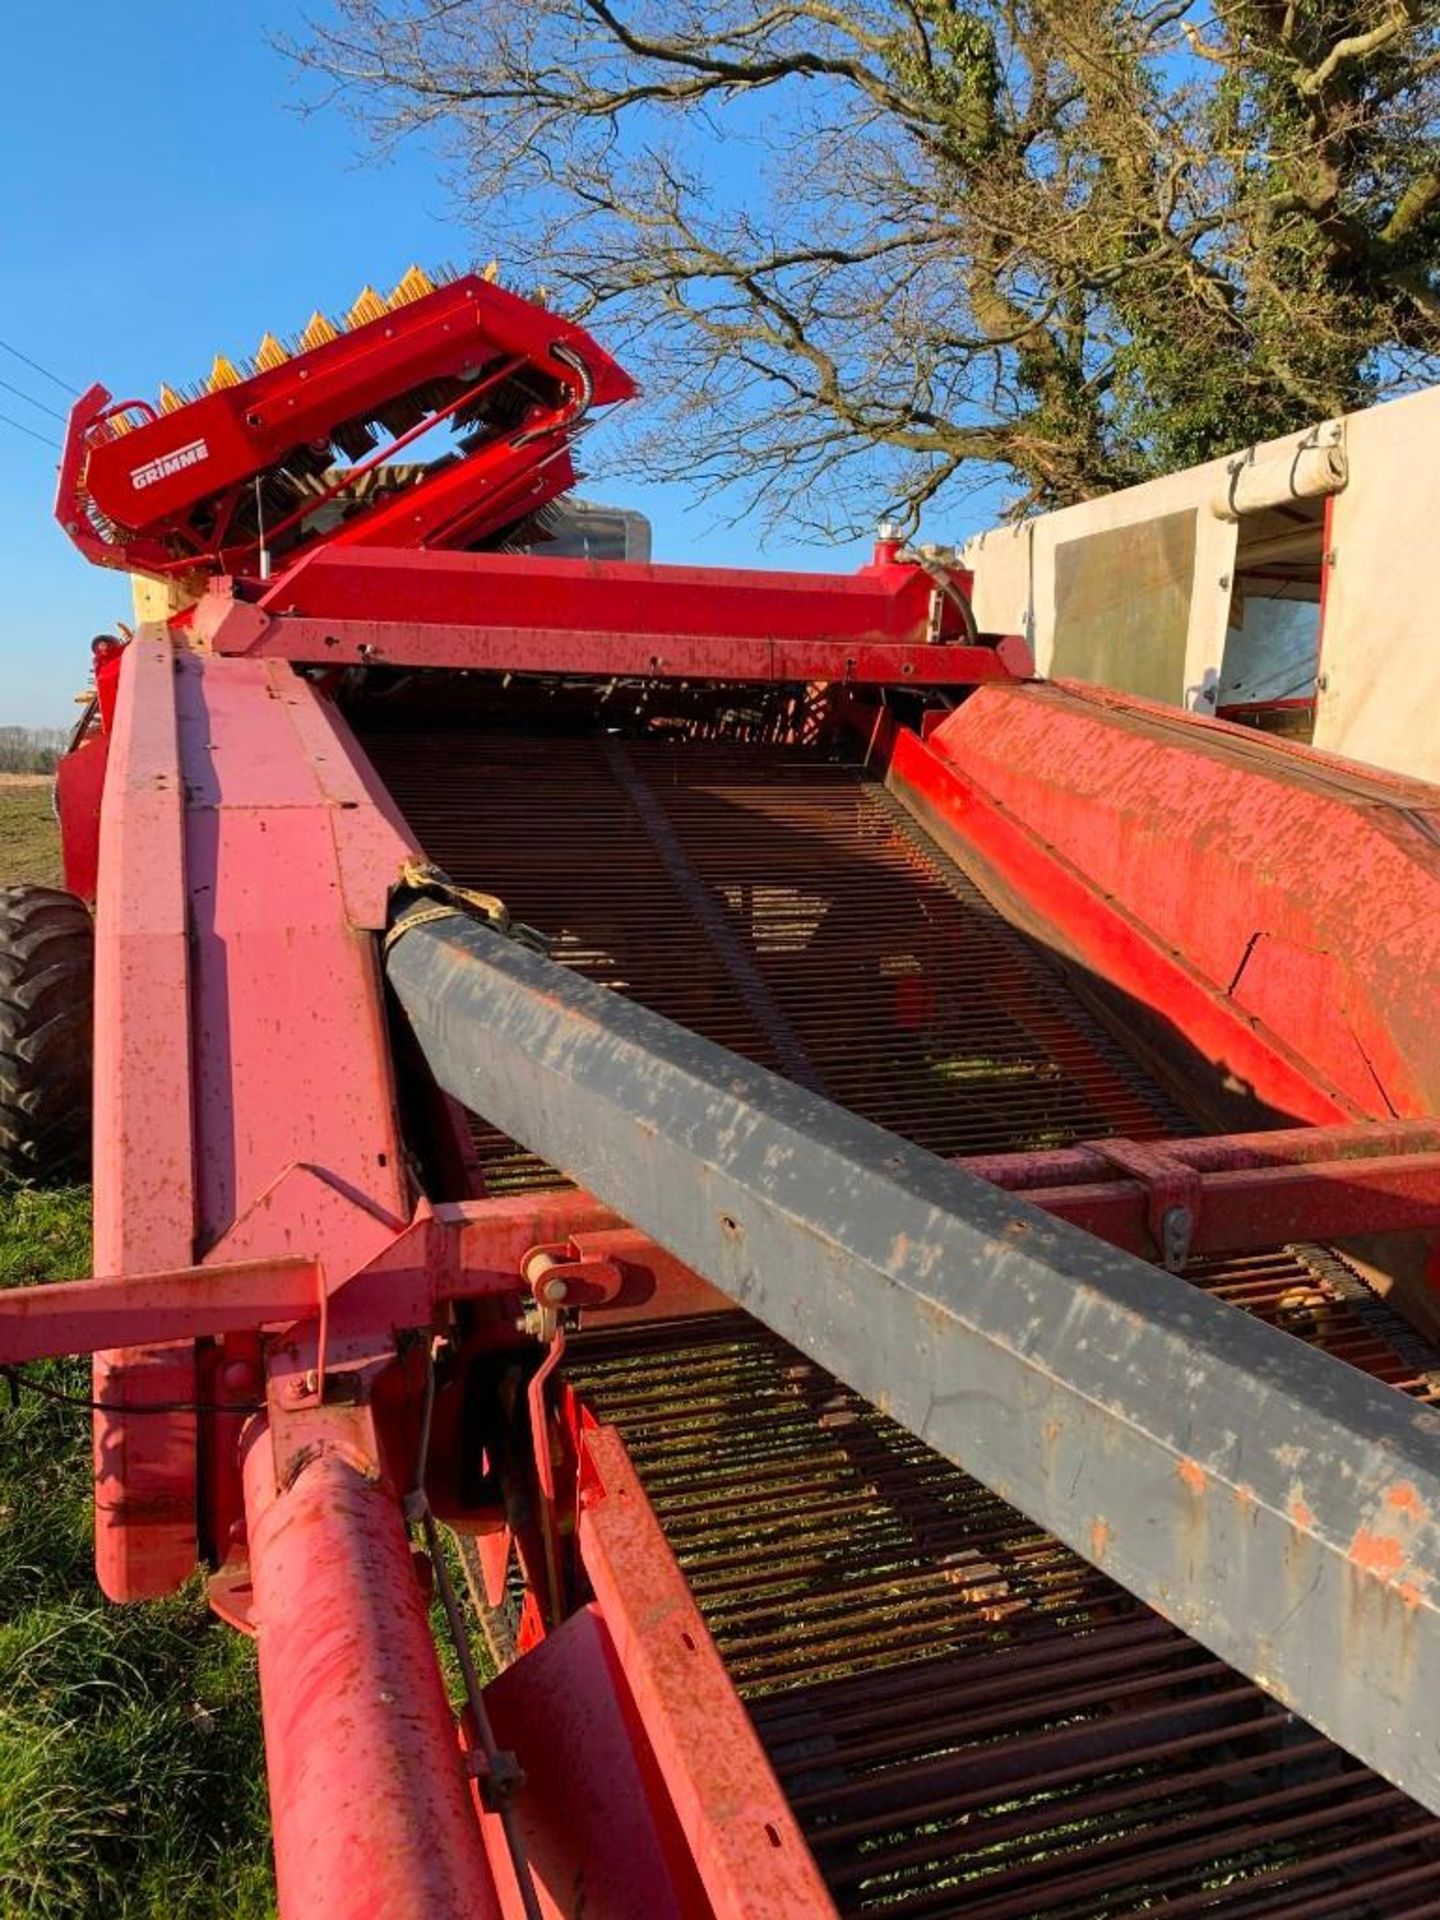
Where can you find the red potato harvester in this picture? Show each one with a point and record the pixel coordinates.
(908, 1300)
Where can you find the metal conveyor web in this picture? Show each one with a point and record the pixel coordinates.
(969, 1719)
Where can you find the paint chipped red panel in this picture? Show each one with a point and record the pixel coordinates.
(747, 1845)
(291, 1051)
(1301, 991)
(144, 1152)
(79, 785)
(1067, 908)
(1211, 836)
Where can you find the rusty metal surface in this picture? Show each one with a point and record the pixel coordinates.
(844, 1570)
(1264, 1496)
(967, 1717)
(853, 954)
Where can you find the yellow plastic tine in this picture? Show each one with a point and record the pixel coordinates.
(368, 307)
(492, 272)
(120, 423)
(224, 373)
(320, 331)
(170, 399)
(270, 353)
(413, 284)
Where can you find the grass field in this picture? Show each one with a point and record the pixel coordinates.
(29, 842)
(131, 1775)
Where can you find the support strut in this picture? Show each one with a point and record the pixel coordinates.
(1273, 1502)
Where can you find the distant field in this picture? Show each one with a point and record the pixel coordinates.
(29, 837)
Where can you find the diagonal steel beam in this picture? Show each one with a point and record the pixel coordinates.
(1270, 1500)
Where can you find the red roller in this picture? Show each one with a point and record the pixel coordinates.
(368, 1794)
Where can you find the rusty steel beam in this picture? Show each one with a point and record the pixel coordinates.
(1234, 1193)
(241, 628)
(1271, 1501)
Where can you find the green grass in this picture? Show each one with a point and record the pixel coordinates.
(131, 1771)
(29, 841)
(131, 1761)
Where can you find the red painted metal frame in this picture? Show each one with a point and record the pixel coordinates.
(1095, 926)
(1245, 1191)
(1296, 937)
(149, 482)
(369, 1795)
(144, 1155)
(730, 1806)
(406, 1281)
(888, 623)
(246, 858)
(1242, 1191)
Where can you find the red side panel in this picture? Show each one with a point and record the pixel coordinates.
(601, 1839)
(243, 1093)
(144, 1158)
(1304, 892)
(747, 1846)
(79, 784)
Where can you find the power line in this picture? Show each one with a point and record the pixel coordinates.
(64, 385)
(21, 394)
(21, 427)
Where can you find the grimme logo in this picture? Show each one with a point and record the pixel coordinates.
(190, 455)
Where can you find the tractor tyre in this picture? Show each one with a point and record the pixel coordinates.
(47, 1017)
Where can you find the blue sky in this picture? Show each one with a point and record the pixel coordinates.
(163, 199)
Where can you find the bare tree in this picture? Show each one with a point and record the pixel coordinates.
(30, 749)
(856, 251)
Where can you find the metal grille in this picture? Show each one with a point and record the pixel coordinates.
(785, 907)
(968, 1718)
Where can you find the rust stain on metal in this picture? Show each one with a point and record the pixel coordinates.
(1404, 1499)
(1301, 1514)
(1099, 1538)
(1382, 1554)
(1193, 1474)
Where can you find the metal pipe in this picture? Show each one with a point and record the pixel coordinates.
(1275, 1503)
(371, 1808)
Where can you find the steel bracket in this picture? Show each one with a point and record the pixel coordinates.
(1172, 1190)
